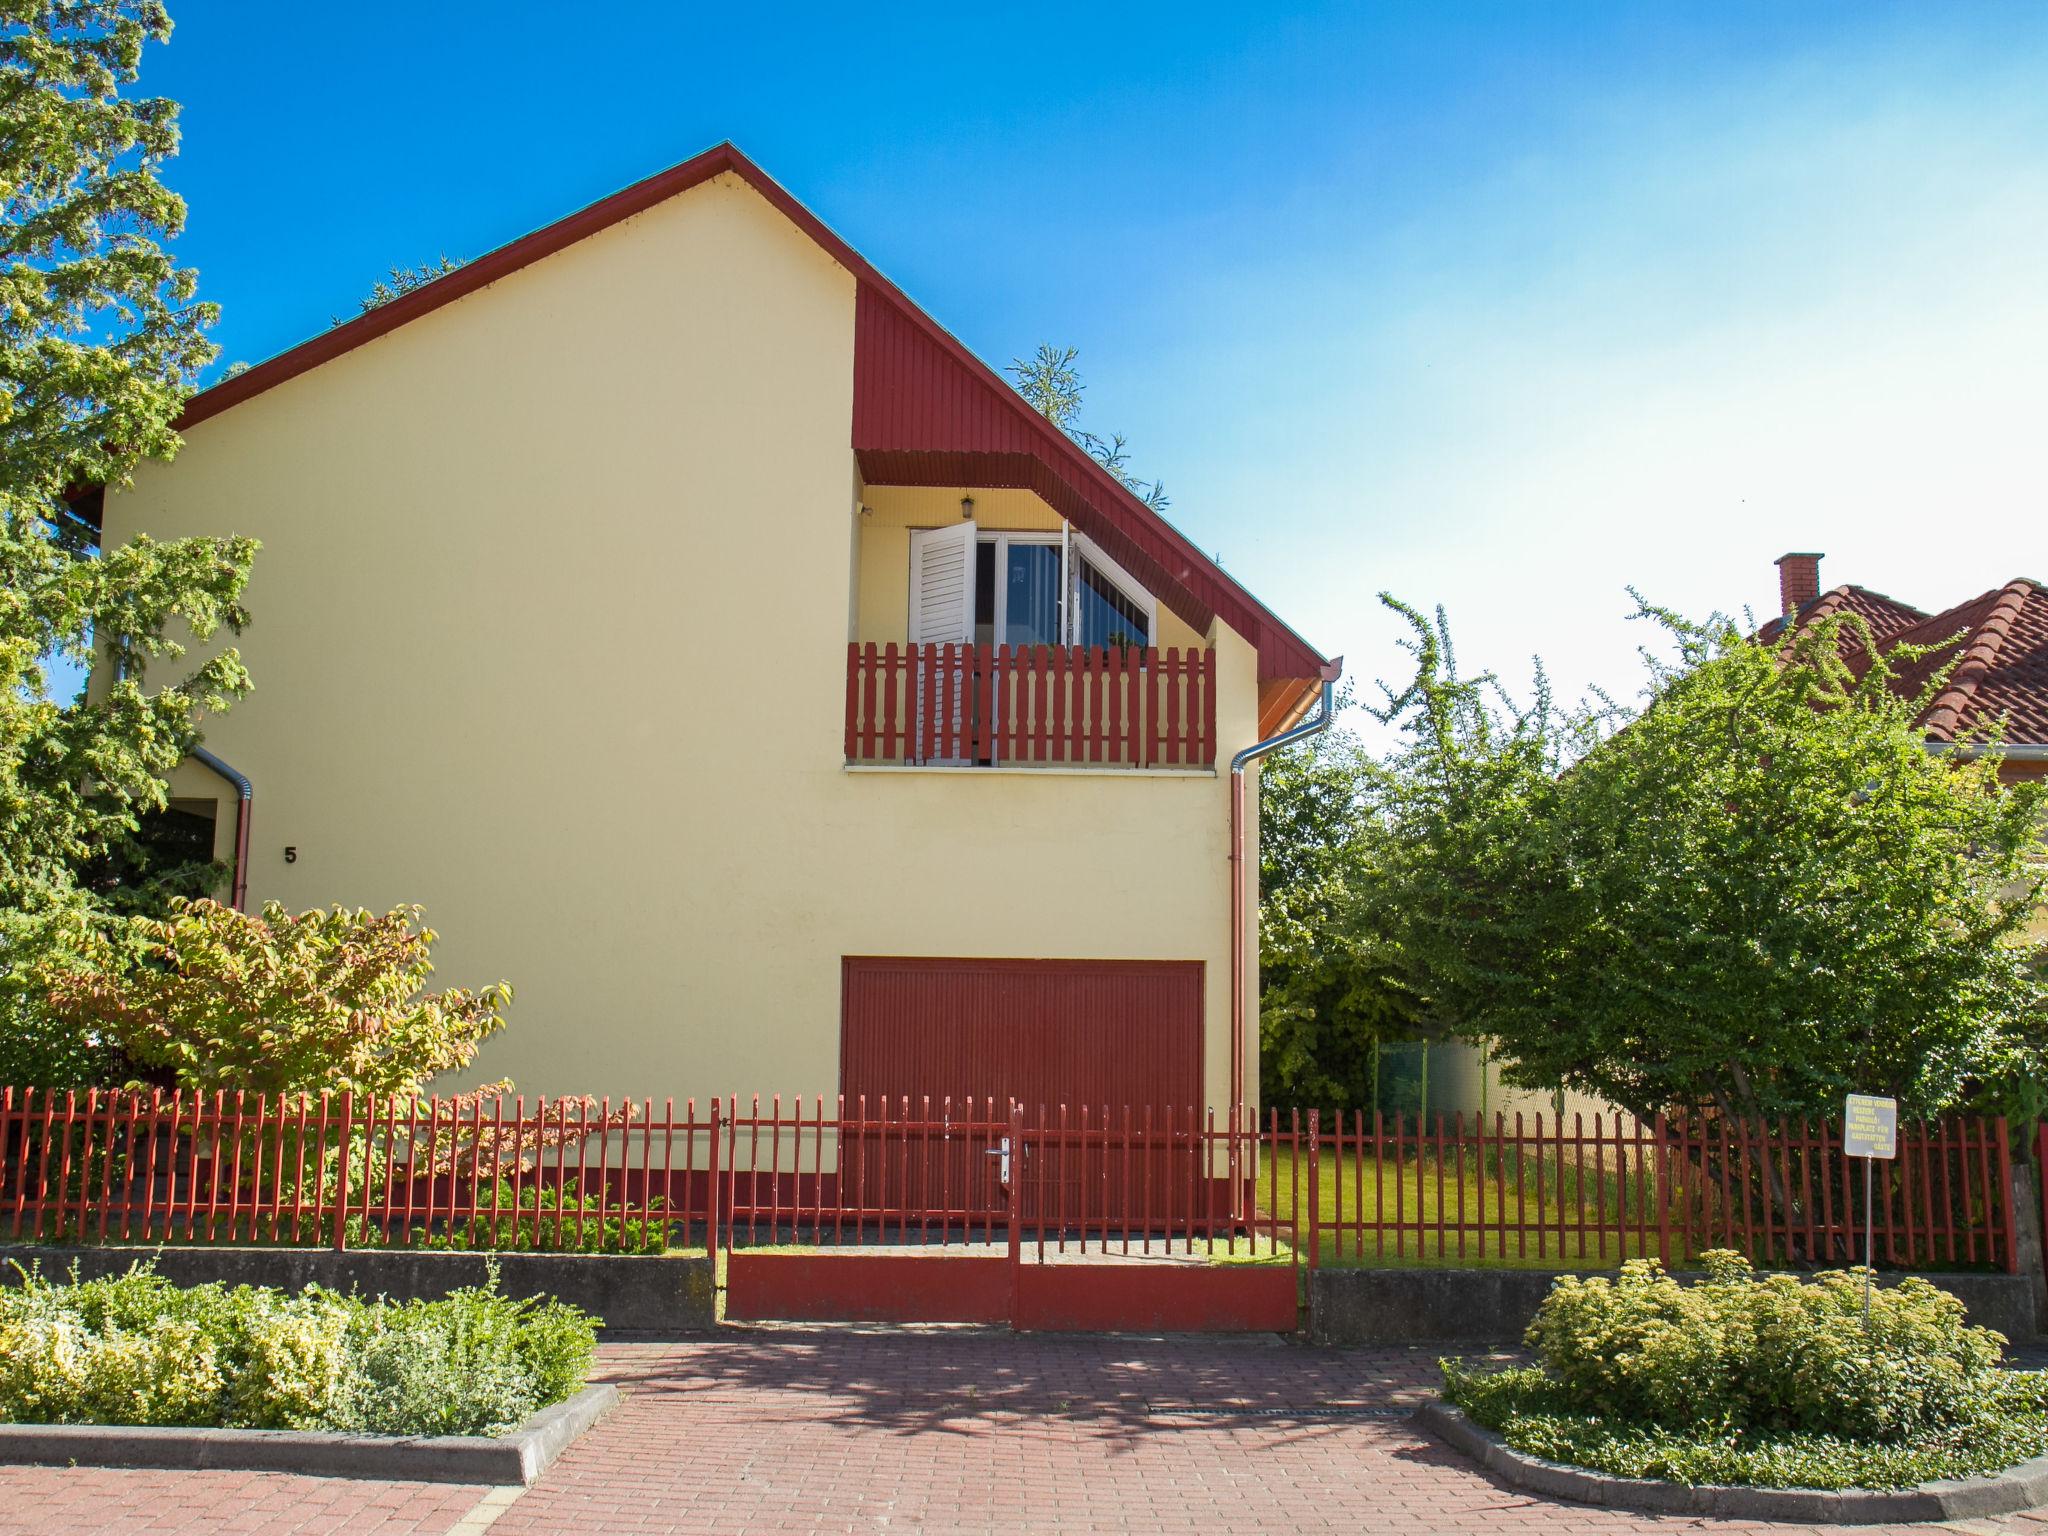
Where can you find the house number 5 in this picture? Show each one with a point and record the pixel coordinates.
(291, 853)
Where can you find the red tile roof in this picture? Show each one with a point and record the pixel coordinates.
(2000, 638)
(1885, 615)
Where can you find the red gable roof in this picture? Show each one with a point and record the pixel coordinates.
(1885, 615)
(926, 412)
(2001, 672)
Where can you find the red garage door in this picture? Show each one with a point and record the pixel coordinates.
(1046, 1032)
(1104, 1034)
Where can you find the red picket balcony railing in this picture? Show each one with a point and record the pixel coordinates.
(1031, 705)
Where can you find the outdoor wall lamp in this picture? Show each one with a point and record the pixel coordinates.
(967, 509)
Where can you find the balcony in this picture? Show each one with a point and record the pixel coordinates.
(1030, 706)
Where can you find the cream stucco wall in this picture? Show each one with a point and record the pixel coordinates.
(1464, 1077)
(549, 636)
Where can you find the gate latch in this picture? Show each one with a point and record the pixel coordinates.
(1001, 1150)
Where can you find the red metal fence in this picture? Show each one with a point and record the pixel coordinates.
(498, 1172)
(344, 1168)
(1593, 1190)
(1142, 1181)
(1031, 704)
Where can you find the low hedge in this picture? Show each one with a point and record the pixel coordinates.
(1771, 1381)
(139, 1350)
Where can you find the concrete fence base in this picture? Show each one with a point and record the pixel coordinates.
(1493, 1306)
(678, 1294)
(640, 1293)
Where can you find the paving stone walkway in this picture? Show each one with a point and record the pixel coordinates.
(939, 1430)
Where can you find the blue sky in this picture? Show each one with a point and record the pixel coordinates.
(1504, 307)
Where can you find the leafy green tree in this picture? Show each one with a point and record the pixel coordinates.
(1052, 384)
(282, 1004)
(101, 342)
(1758, 894)
(1332, 983)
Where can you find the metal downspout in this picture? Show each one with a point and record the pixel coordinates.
(238, 890)
(1313, 726)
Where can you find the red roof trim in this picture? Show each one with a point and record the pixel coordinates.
(1282, 653)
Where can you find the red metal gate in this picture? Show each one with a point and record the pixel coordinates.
(1057, 1221)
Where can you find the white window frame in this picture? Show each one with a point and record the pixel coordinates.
(1075, 547)
(1087, 549)
(1002, 539)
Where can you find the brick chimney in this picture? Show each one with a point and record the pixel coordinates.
(1798, 580)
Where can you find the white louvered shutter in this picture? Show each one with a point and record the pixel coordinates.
(942, 585)
(942, 613)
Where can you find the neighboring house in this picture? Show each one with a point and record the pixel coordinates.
(2002, 675)
(600, 607)
(1999, 643)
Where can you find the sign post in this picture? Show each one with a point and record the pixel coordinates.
(1870, 1130)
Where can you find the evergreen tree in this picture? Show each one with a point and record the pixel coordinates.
(102, 339)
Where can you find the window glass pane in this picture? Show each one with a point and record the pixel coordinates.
(985, 592)
(174, 846)
(1032, 612)
(1108, 617)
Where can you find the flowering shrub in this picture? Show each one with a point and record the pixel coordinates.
(139, 1350)
(1776, 1352)
(548, 1219)
(470, 1133)
(1741, 1378)
(278, 1003)
(55, 1370)
(295, 1359)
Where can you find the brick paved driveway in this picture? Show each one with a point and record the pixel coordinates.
(796, 1430)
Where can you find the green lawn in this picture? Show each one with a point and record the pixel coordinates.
(1542, 1231)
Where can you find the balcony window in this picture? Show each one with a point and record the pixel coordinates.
(1023, 589)
(1031, 594)
(1105, 613)
(1017, 589)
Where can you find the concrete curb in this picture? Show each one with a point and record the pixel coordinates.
(2022, 1487)
(515, 1458)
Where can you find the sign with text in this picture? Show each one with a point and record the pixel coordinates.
(1870, 1126)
